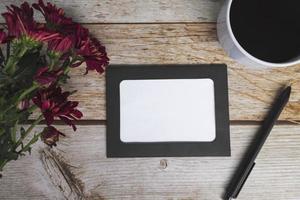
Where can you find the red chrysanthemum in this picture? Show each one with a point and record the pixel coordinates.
(54, 103)
(20, 22)
(43, 36)
(45, 77)
(50, 135)
(19, 19)
(77, 33)
(90, 49)
(61, 45)
(3, 37)
(55, 17)
(94, 55)
(57, 21)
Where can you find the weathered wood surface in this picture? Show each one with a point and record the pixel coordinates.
(160, 32)
(251, 91)
(135, 11)
(78, 169)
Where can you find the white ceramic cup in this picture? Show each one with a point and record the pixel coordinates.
(235, 50)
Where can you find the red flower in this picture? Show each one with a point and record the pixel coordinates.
(43, 36)
(20, 22)
(54, 103)
(90, 49)
(57, 21)
(46, 77)
(60, 45)
(50, 135)
(55, 17)
(77, 33)
(81, 35)
(94, 55)
(3, 37)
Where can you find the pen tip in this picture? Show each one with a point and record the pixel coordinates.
(288, 89)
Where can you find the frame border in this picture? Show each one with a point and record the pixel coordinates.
(117, 73)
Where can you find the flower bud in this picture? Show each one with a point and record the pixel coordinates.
(23, 105)
(50, 135)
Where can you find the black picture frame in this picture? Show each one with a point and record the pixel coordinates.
(117, 73)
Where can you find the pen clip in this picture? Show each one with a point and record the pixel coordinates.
(247, 173)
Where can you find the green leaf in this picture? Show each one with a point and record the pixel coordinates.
(11, 116)
(13, 132)
(2, 76)
(2, 131)
(29, 150)
(28, 66)
(11, 156)
(27, 147)
(22, 131)
(16, 84)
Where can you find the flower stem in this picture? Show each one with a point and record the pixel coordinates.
(12, 61)
(2, 164)
(1, 56)
(38, 120)
(7, 49)
(14, 131)
(32, 108)
(32, 141)
(26, 92)
(23, 95)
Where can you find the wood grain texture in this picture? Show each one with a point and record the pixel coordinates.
(135, 11)
(78, 169)
(251, 91)
(146, 32)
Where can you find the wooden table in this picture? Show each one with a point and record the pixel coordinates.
(161, 31)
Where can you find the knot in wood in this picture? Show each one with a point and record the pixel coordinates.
(163, 164)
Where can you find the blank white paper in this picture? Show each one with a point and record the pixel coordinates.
(167, 110)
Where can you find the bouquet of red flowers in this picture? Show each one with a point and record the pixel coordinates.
(33, 67)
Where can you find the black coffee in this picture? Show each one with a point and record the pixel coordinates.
(267, 29)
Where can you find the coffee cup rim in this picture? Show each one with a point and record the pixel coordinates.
(257, 60)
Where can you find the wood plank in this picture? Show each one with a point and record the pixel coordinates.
(79, 169)
(132, 11)
(251, 91)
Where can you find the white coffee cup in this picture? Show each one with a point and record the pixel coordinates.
(234, 49)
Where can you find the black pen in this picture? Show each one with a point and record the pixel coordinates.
(248, 161)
